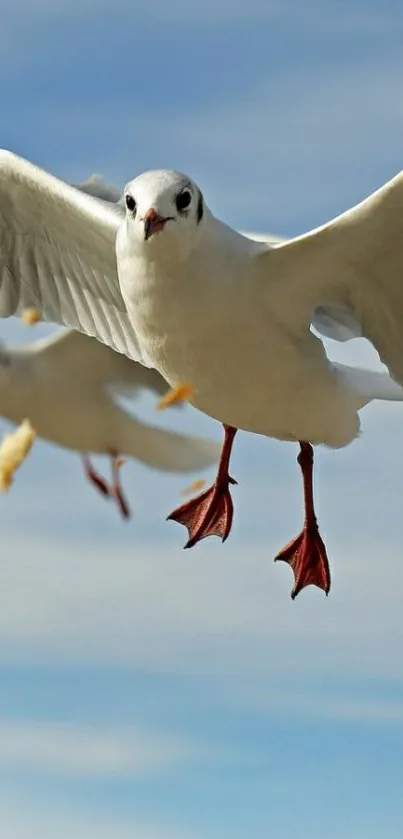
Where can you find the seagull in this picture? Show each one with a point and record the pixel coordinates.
(234, 316)
(165, 282)
(67, 384)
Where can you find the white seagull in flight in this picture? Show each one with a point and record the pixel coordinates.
(68, 386)
(206, 305)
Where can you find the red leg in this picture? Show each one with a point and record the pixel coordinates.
(116, 488)
(211, 512)
(93, 476)
(307, 553)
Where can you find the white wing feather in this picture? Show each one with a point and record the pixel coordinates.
(57, 253)
(352, 265)
(369, 384)
(335, 322)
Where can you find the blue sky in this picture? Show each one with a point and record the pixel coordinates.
(152, 693)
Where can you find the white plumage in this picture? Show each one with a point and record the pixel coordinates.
(57, 253)
(68, 386)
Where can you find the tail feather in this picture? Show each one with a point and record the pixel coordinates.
(369, 384)
(160, 448)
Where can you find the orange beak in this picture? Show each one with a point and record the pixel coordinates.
(153, 223)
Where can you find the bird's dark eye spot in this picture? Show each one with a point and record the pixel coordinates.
(183, 200)
(130, 204)
(200, 208)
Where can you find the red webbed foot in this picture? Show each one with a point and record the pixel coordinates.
(211, 512)
(208, 514)
(308, 559)
(306, 554)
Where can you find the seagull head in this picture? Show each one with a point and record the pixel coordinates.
(164, 211)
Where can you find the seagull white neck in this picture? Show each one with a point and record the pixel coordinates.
(160, 293)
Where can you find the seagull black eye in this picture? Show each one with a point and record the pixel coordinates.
(183, 200)
(130, 204)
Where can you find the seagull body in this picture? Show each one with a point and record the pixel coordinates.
(68, 385)
(197, 322)
(206, 305)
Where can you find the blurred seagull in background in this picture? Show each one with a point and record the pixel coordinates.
(68, 386)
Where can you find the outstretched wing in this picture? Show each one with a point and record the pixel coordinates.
(57, 253)
(331, 321)
(350, 269)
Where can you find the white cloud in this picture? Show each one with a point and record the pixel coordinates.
(92, 752)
